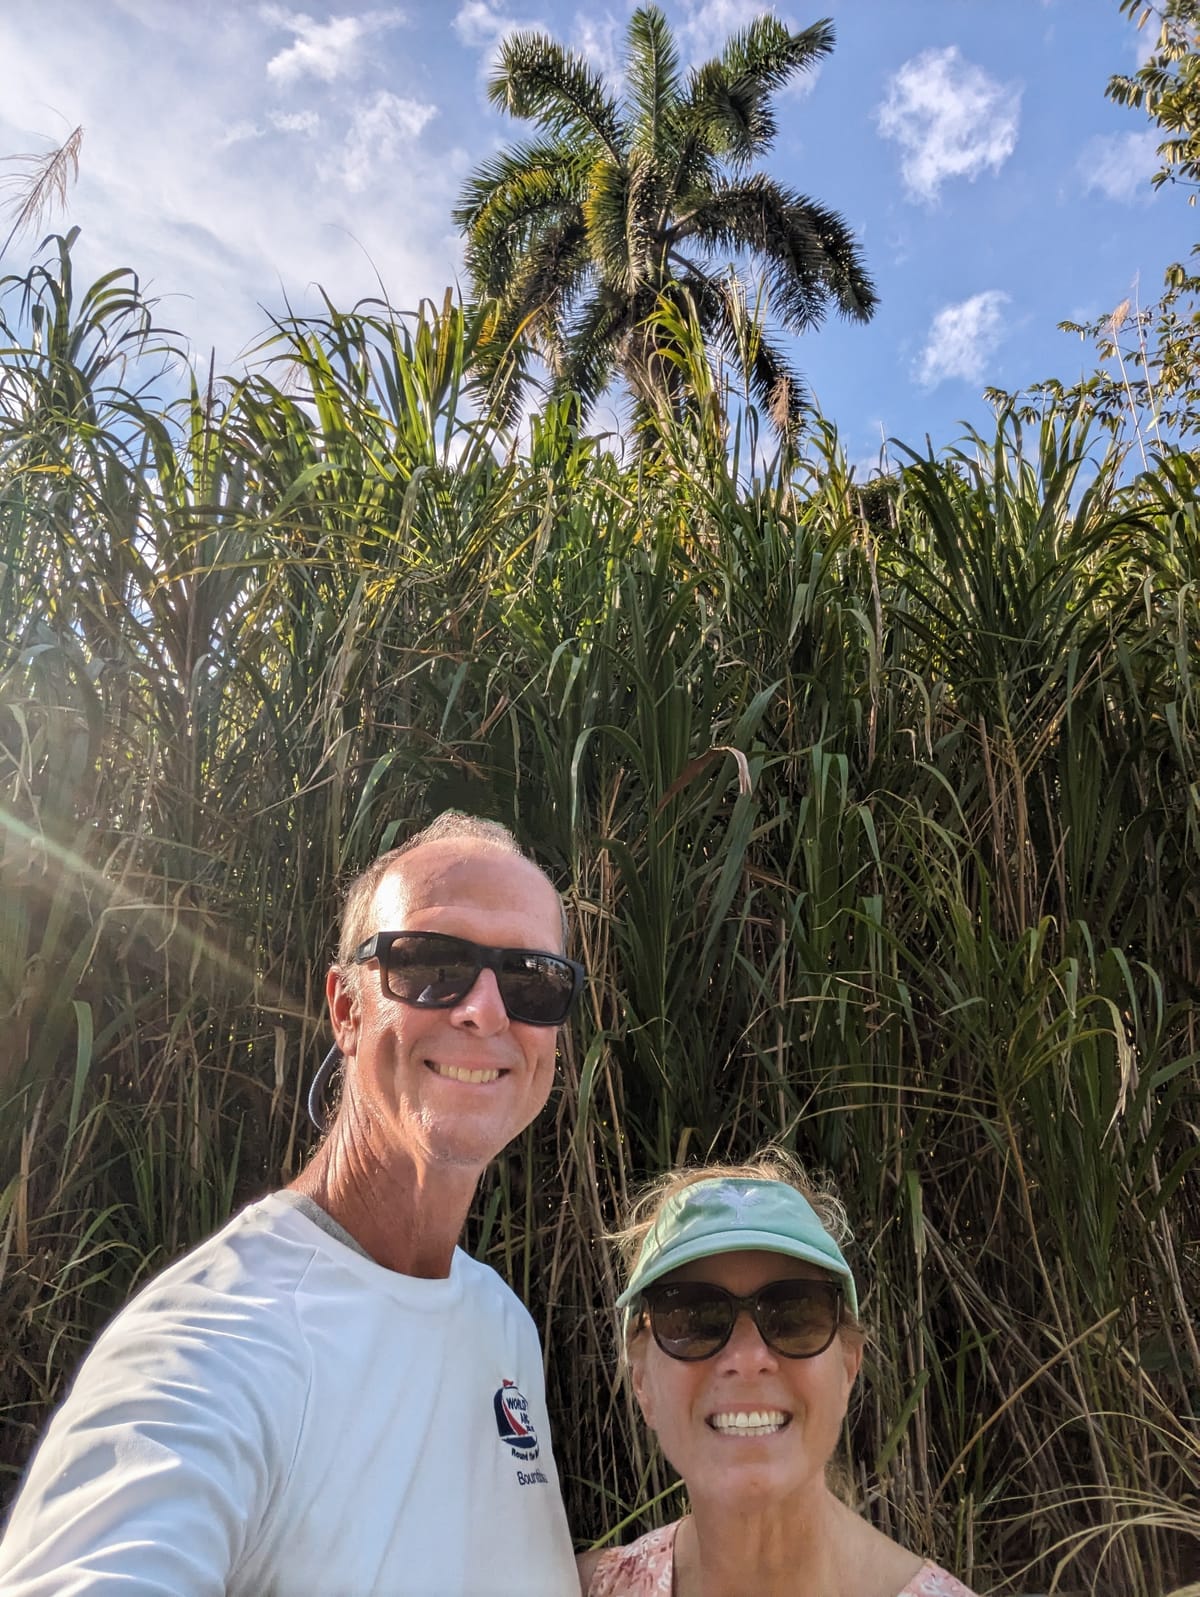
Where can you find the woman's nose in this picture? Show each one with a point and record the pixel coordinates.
(745, 1346)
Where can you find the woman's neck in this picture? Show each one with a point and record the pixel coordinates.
(788, 1546)
(814, 1548)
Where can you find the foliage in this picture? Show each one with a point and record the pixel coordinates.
(1146, 387)
(1167, 87)
(880, 838)
(1148, 376)
(577, 236)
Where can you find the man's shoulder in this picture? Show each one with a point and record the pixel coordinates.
(234, 1285)
(488, 1298)
(483, 1282)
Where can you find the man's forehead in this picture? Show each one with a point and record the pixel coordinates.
(465, 871)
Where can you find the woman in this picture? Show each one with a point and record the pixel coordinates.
(743, 1344)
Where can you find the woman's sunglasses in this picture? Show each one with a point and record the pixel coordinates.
(694, 1319)
(432, 971)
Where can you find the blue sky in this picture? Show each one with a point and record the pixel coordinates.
(238, 154)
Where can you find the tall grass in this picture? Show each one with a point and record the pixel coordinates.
(876, 807)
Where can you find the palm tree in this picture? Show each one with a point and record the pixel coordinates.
(581, 235)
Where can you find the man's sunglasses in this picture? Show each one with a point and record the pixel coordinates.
(432, 971)
(694, 1319)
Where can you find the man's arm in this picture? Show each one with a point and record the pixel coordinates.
(155, 1474)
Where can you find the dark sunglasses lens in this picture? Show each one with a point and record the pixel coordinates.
(536, 987)
(798, 1318)
(431, 971)
(436, 972)
(690, 1321)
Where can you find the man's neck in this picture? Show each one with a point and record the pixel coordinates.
(406, 1217)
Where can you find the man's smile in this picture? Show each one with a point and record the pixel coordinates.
(457, 1073)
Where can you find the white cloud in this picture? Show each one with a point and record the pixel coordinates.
(239, 132)
(324, 50)
(599, 40)
(707, 24)
(950, 120)
(379, 131)
(961, 337)
(306, 122)
(221, 229)
(482, 26)
(1119, 165)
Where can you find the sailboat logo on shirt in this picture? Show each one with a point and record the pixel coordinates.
(514, 1423)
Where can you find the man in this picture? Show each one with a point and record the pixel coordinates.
(329, 1397)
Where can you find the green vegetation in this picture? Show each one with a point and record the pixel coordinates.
(578, 238)
(877, 808)
(1148, 374)
(1167, 86)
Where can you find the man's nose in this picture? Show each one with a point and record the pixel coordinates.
(482, 1006)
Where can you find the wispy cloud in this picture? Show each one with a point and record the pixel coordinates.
(597, 35)
(950, 119)
(379, 131)
(233, 205)
(705, 25)
(1119, 165)
(599, 39)
(961, 337)
(324, 50)
(482, 26)
(306, 122)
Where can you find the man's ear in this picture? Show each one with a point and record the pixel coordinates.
(343, 1011)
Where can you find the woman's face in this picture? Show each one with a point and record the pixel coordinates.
(694, 1407)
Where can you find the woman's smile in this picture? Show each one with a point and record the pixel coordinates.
(749, 1422)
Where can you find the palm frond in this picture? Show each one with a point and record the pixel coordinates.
(767, 55)
(727, 322)
(652, 78)
(509, 225)
(554, 162)
(589, 354)
(728, 99)
(537, 79)
(546, 282)
(809, 251)
(620, 213)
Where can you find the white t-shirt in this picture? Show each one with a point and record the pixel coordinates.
(279, 1416)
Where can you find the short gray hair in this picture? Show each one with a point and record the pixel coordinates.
(450, 826)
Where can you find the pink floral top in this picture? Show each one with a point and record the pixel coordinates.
(646, 1568)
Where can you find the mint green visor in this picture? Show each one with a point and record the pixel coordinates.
(720, 1215)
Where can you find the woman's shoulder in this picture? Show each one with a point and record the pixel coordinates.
(642, 1569)
(931, 1580)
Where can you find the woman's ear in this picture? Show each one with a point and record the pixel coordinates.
(852, 1355)
(642, 1389)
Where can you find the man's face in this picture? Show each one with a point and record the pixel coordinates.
(449, 1085)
